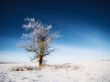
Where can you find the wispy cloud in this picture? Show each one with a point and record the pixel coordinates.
(7, 56)
(71, 54)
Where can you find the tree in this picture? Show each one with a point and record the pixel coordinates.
(38, 39)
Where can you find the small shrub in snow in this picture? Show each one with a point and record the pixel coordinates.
(23, 68)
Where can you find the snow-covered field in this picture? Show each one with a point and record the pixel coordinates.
(77, 72)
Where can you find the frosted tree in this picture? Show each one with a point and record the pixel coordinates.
(38, 39)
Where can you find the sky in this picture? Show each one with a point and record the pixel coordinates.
(83, 24)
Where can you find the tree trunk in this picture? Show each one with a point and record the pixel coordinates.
(40, 61)
(41, 55)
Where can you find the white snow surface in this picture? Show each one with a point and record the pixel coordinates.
(92, 71)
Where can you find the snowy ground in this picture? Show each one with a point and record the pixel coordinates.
(76, 72)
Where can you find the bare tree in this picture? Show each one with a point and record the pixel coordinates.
(38, 39)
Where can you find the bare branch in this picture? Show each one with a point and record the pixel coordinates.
(49, 52)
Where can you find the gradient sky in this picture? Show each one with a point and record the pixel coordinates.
(83, 24)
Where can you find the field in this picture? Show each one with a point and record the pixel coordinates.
(92, 71)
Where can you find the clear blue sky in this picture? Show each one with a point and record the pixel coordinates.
(83, 24)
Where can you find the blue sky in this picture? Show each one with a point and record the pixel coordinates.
(84, 26)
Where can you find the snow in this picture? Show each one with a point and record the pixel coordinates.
(92, 71)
